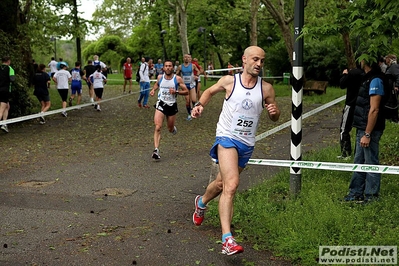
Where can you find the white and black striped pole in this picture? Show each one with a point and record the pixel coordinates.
(297, 94)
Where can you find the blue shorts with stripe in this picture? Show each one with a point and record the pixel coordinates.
(244, 151)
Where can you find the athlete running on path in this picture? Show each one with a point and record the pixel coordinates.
(168, 85)
(187, 70)
(76, 83)
(246, 95)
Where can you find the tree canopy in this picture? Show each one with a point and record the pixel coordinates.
(336, 33)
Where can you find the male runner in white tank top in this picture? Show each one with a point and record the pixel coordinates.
(168, 85)
(246, 95)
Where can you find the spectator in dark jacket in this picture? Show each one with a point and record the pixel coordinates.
(351, 81)
(369, 122)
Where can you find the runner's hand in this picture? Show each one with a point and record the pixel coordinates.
(197, 111)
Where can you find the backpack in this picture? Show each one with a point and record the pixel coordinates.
(138, 73)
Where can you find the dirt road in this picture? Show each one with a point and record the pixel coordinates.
(84, 190)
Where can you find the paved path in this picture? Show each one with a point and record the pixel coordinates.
(84, 190)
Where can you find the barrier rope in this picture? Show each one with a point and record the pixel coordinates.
(383, 169)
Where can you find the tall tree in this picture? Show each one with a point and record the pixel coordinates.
(77, 32)
(14, 42)
(181, 21)
(254, 21)
(283, 17)
(118, 17)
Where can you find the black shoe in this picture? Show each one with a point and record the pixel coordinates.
(356, 199)
(370, 198)
(155, 155)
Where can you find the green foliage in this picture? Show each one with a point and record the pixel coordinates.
(277, 59)
(118, 16)
(111, 49)
(323, 60)
(20, 102)
(389, 155)
(294, 228)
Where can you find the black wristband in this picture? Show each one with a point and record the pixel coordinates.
(197, 104)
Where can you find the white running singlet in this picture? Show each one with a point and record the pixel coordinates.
(97, 79)
(241, 111)
(164, 86)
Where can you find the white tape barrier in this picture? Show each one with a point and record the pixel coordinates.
(383, 169)
(310, 113)
(57, 111)
(223, 69)
(217, 77)
(232, 69)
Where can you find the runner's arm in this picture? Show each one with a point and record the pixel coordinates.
(224, 84)
(183, 88)
(270, 101)
(155, 87)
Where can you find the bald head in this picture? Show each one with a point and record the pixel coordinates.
(253, 60)
(253, 50)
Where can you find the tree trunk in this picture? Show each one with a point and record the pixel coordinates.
(181, 19)
(254, 22)
(216, 44)
(77, 32)
(284, 24)
(8, 14)
(350, 57)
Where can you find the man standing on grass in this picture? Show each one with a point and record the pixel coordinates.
(369, 122)
(158, 68)
(144, 83)
(246, 96)
(127, 74)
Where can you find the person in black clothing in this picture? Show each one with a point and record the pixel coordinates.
(88, 70)
(369, 122)
(41, 82)
(350, 80)
(392, 75)
(7, 77)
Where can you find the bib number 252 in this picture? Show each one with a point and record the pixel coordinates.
(244, 123)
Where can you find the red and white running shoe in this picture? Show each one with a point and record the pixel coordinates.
(199, 213)
(230, 247)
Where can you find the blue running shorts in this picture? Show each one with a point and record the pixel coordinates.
(244, 151)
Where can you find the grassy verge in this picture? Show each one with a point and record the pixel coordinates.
(269, 218)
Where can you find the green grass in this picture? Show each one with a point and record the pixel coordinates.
(294, 228)
(117, 79)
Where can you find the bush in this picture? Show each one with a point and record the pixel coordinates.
(20, 101)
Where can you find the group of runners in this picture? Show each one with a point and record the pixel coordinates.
(246, 96)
